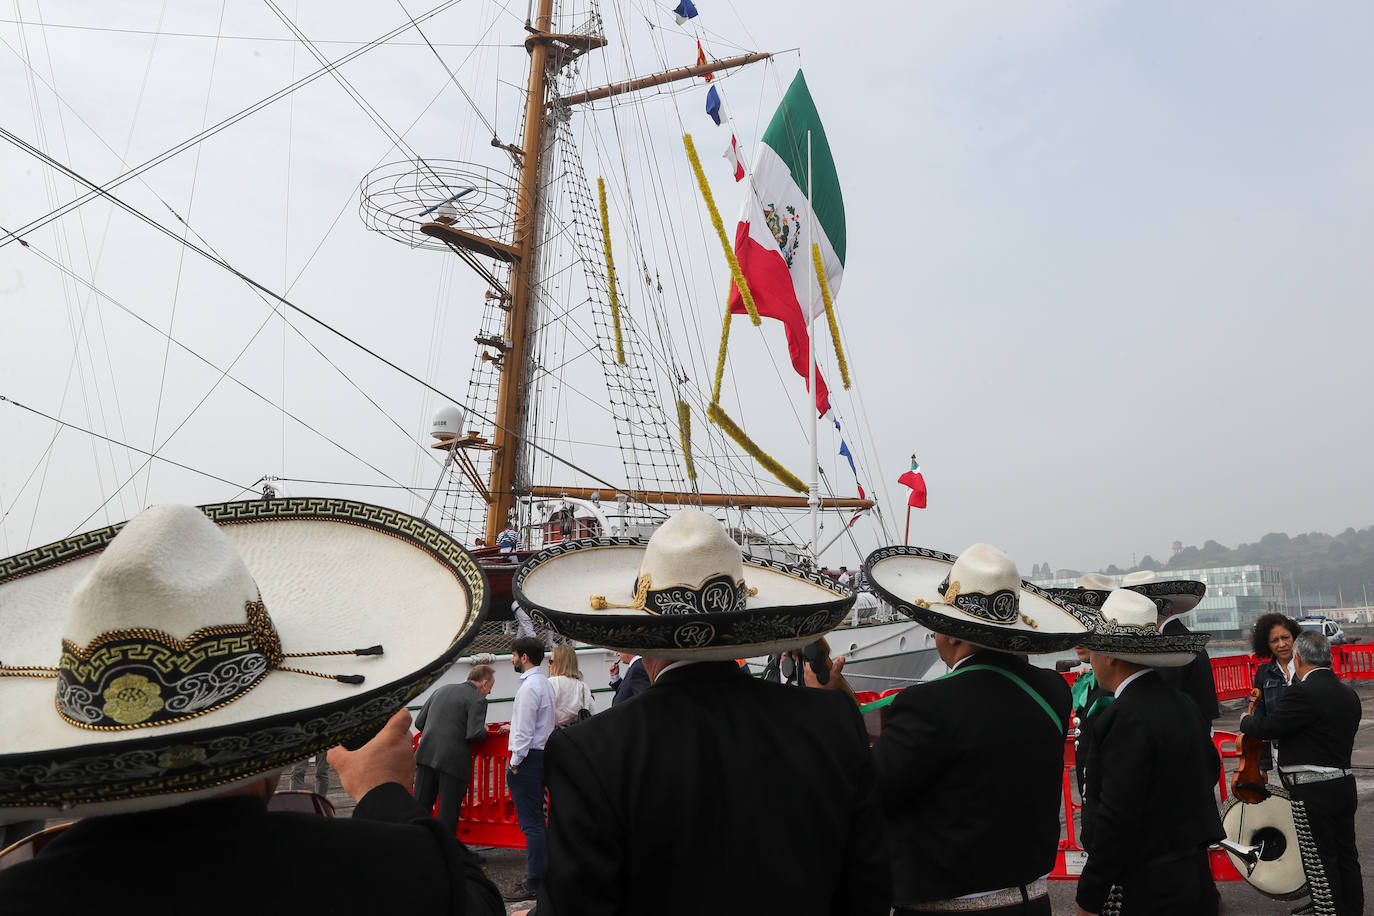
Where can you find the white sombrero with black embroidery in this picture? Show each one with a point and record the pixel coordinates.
(1127, 629)
(978, 597)
(192, 650)
(1092, 590)
(1182, 595)
(684, 593)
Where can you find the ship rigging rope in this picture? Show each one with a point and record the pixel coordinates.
(452, 77)
(373, 114)
(653, 168)
(97, 191)
(150, 455)
(80, 325)
(215, 259)
(163, 33)
(864, 458)
(181, 251)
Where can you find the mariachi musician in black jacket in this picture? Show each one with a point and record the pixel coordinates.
(711, 791)
(970, 764)
(1173, 599)
(1315, 723)
(1148, 809)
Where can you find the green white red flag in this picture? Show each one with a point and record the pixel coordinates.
(771, 240)
(917, 482)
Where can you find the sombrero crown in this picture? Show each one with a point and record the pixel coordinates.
(171, 677)
(1092, 590)
(978, 596)
(685, 593)
(1171, 596)
(1127, 630)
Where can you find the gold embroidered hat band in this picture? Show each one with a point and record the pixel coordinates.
(1127, 629)
(977, 596)
(687, 592)
(171, 677)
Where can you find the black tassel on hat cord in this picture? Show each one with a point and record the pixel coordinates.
(341, 678)
(43, 671)
(370, 650)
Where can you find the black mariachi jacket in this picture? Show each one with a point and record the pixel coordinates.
(970, 769)
(1148, 786)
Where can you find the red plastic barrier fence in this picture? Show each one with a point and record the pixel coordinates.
(1234, 676)
(1355, 663)
(487, 816)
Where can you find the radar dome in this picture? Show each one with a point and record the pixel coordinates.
(447, 423)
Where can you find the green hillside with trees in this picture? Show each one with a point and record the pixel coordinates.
(1313, 563)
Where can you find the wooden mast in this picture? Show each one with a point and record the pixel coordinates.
(510, 397)
(541, 43)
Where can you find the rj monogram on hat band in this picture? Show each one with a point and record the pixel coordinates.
(141, 677)
(717, 595)
(1002, 606)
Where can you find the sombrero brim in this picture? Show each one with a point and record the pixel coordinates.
(1094, 598)
(1089, 599)
(1182, 594)
(333, 574)
(1152, 649)
(903, 575)
(793, 607)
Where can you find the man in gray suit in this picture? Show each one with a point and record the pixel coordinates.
(452, 718)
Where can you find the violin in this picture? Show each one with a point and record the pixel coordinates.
(1247, 784)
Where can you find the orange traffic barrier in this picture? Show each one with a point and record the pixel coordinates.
(1234, 676)
(487, 815)
(1354, 663)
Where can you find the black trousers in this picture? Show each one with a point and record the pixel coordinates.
(1181, 887)
(447, 788)
(1331, 817)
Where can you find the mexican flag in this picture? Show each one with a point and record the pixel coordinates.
(917, 482)
(771, 241)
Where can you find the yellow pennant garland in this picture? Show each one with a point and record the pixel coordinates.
(723, 420)
(720, 360)
(830, 314)
(713, 410)
(735, 273)
(684, 431)
(610, 274)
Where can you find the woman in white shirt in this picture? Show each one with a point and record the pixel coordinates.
(570, 694)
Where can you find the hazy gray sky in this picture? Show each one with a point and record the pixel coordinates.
(1108, 263)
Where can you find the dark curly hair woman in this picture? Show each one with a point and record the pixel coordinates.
(1272, 638)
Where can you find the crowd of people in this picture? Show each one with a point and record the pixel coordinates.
(702, 788)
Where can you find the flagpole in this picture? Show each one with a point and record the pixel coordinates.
(814, 500)
(906, 538)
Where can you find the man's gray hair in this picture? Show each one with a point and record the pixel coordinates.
(1313, 648)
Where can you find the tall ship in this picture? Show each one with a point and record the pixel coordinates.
(654, 324)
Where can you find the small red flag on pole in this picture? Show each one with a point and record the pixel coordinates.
(916, 481)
